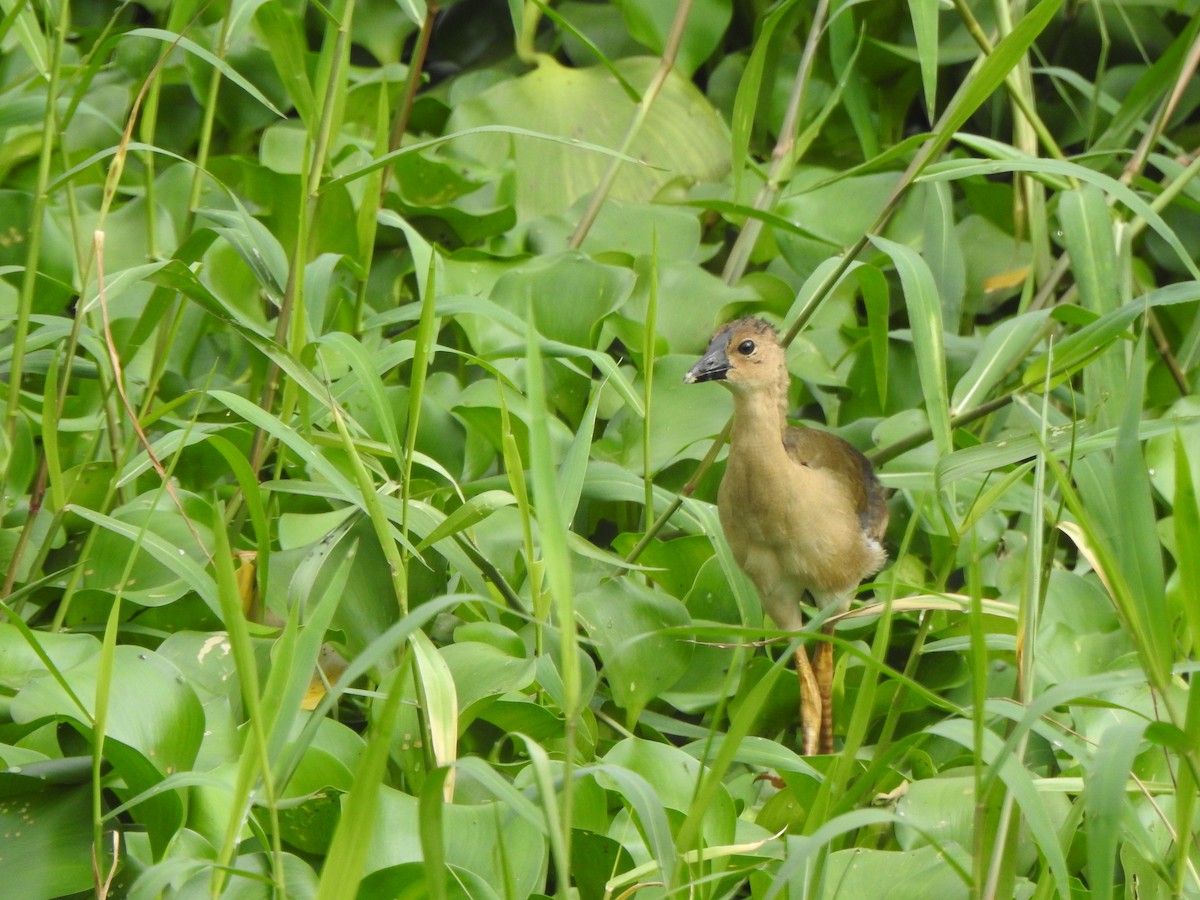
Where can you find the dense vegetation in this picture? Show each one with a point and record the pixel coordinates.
(348, 339)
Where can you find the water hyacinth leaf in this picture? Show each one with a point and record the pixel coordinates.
(650, 25)
(170, 567)
(801, 850)
(909, 874)
(627, 621)
(1037, 813)
(483, 670)
(645, 803)
(47, 840)
(24, 657)
(682, 135)
(474, 833)
(154, 726)
(569, 292)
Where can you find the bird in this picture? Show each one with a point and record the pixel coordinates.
(801, 509)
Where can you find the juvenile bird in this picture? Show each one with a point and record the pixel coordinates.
(801, 509)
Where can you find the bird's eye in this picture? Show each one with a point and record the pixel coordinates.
(746, 348)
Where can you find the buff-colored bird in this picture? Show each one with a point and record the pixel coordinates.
(801, 509)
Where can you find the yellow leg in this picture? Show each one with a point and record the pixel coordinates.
(810, 704)
(823, 667)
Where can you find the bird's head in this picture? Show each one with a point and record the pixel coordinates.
(745, 354)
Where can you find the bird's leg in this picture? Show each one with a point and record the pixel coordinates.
(811, 716)
(823, 667)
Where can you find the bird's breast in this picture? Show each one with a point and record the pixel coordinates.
(792, 526)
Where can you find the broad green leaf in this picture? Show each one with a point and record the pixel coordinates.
(647, 806)
(626, 621)
(154, 725)
(474, 832)
(570, 295)
(169, 559)
(650, 24)
(1043, 829)
(682, 134)
(48, 840)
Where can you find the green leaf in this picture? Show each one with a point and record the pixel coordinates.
(48, 841)
(925, 320)
(1001, 352)
(924, 14)
(632, 628)
(348, 854)
(1105, 801)
(682, 134)
(226, 70)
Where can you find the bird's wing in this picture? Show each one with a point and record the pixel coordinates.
(823, 450)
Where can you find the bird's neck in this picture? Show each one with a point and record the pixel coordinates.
(759, 418)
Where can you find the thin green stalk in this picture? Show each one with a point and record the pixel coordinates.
(1187, 72)
(1028, 610)
(783, 158)
(289, 330)
(411, 82)
(207, 125)
(559, 579)
(531, 15)
(100, 722)
(665, 66)
(36, 232)
(375, 511)
(422, 357)
(979, 692)
(649, 337)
